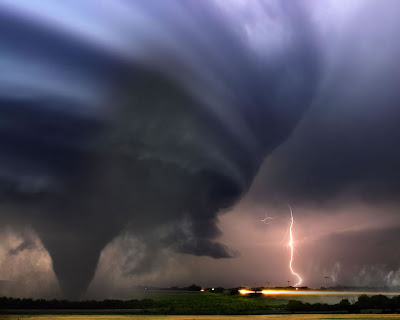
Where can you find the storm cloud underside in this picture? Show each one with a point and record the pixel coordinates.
(158, 118)
(126, 140)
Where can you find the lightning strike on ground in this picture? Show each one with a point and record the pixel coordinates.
(290, 244)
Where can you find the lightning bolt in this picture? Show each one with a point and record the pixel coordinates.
(267, 220)
(290, 244)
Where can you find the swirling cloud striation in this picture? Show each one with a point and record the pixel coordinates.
(142, 116)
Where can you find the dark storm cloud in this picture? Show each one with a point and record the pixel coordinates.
(157, 118)
(347, 145)
(354, 156)
(183, 242)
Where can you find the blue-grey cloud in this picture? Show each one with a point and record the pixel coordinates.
(131, 116)
(346, 145)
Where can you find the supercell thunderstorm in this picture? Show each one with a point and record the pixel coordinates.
(178, 102)
(150, 118)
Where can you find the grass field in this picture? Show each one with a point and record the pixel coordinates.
(191, 306)
(209, 303)
(264, 317)
(196, 303)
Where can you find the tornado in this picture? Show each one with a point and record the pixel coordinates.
(126, 116)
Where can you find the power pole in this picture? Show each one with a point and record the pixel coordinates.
(326, 281)
(267, 284)
(288, 283)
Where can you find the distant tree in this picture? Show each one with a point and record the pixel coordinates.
(193, 287)
(380, 302)
(363, 302)
(294, 305)
(396, 302)
(345, 303)
(234, 291)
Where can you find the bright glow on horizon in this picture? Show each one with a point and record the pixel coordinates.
(273, 292)
(244, 291)
(321, 293)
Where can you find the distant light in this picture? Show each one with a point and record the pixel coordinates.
(212, 289)
(297, 288)
(244, 291)
(202, 290)
(320, 293)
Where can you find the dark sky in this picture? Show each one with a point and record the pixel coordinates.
(143, 143)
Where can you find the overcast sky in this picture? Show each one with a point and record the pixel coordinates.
(144, 143)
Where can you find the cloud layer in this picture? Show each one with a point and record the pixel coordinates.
(125, 141)
(150, 123)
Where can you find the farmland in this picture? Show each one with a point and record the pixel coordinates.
(201, 306)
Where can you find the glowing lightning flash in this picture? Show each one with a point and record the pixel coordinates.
(290, 244)
(267, 219)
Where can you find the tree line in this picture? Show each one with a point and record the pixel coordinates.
(363, 302)
(213, 304)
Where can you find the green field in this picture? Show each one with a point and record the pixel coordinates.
(198, 304)
(209, 303)
(207, 306)
(264, 317)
